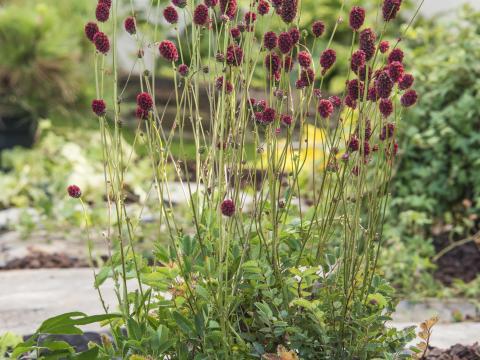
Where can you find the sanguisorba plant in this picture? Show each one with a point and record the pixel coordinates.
(262, 266)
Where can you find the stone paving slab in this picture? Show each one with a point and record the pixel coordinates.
(446, 335)
(27, 297)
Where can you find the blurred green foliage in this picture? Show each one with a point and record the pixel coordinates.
(39, 177)
(43, 55)
(437, 185)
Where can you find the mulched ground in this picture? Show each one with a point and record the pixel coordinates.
(42, 260)
(462, 262)
(456, 352)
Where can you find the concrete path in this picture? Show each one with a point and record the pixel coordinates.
(29, 296)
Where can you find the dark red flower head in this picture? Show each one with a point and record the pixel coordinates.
(357, 17)
(106, 2)
(258, 116)
(327, 59)
(235, 32)
(358, 60)
(304, 59)
(261, 105)
(99, 107)
(211, 3)
(286, 119)
(277, 4)
(363, 71)
(372, 94)
(383, 85)
(234, 55)
(228, 7)
(390, 9)
(101, 42)
(200, 15)
(336, 101)
(355, 89)
(183, 70)
(170, 14)
(179, 3)
(307, 76)
(384, 46)
(387, 131)
(272, 63)
(129, 25)
(350, 102)
(227, 207)
(270, 40)
(168, 50)
(325, 108)
(219, 85)
(300, 84)
(396, 55)
(318, 28)
(406, 82)
(141, 114)
(263, 7)
(91, 29)
(102, 12)
(250, 17)
(288, 10)
(395, 70)
(74, 191)
(144, 101)
(409, 98)
(367, 42)
(353, 143)
(285, 42)
(287, 63)
(294, 35)
(386, 107)
(268, 115)
(366, 149)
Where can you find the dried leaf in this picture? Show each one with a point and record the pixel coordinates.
(285, 354)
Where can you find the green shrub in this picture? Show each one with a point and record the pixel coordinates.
(437, 184)
(41, 55)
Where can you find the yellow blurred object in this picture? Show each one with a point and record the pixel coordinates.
(311, 149)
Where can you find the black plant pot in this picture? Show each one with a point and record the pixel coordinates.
(17, 128)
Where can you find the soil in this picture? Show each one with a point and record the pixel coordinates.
(42, 260)
(456, 352)
(463, 262)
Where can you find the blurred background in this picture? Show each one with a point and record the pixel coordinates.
(49, 139)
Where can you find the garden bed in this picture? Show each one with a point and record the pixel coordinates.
(456, 352)
(462, 262)
(43, 260)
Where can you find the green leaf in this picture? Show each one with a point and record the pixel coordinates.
(185, 325)
(66, 324)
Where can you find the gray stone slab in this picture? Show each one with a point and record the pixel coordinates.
(446, 335)
(447, 310)
(27, 297)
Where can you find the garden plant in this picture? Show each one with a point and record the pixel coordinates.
(259, 267)
(432, 229)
